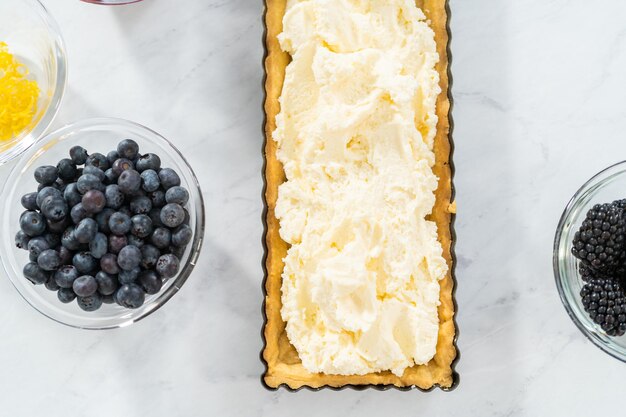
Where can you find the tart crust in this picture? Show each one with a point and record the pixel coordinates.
(283, 366)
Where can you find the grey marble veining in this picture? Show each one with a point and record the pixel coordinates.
(539, 108)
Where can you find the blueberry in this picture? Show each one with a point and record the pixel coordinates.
(130, 296)
(85, 286)
(65, 254)
(155, 216)
(32, 257)
(128, 277)
(78, 213)
(108, 264)
(68, 239)
(98, 246)
(112, 157)
(32, 223)
(128, 149)
(66, 295)
(60, 185)
(102, 219)
(21, 240)
(84, 262)
(140, 205)
(46, 174)
(129, 181)
(158, 198)
(141, 226)
(92, 170)
(178, 251)
(122, 165)
(150, 282)
(125, 210)
(107, 284)
(93, 201)
(148, 161)
(161, 237)
(88, 182)
(150, 181)
(169, 178)
(172, 215)
(29, 201)
(119, 223)
(54, 208)
(58, 227)
(66, 169)
(78, 154)
(46, 192)
(65, 276)
(110, 177)
(98, 160)
(149, 256)
(182, 235)
(49, 260)
(129, 258)
(116, 243)
(178, 195)
(51, 284)
(114, 197)
(37, 245)
(167, 266)
(91, 303)
(86, 230)
(53, 239)
(108, 299)
(71, 194)
(135, 241)
(35, 274)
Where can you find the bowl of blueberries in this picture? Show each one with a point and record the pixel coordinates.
(105, 222)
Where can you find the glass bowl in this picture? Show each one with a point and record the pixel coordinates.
(33, 37)
(111, 2)
(607, 186)
(95, 135)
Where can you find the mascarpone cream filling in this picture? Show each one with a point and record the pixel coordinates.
(355, 136)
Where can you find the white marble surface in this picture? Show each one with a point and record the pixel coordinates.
(539, 93)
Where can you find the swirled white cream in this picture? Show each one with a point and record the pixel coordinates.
(355, 135)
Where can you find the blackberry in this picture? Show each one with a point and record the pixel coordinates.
(587, 273)
(604, 300)
(620, 203)
(600, 240)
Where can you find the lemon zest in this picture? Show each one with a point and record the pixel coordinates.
(18, 95)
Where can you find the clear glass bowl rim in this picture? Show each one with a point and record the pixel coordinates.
(196, 244)
(590, 185)
(113, 2)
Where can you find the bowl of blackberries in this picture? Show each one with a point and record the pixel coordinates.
(104, 222)
(590, 260)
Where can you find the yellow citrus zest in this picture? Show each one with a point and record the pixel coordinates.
(18, 95)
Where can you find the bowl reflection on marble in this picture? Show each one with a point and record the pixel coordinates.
(607, 186)
(95, 135)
